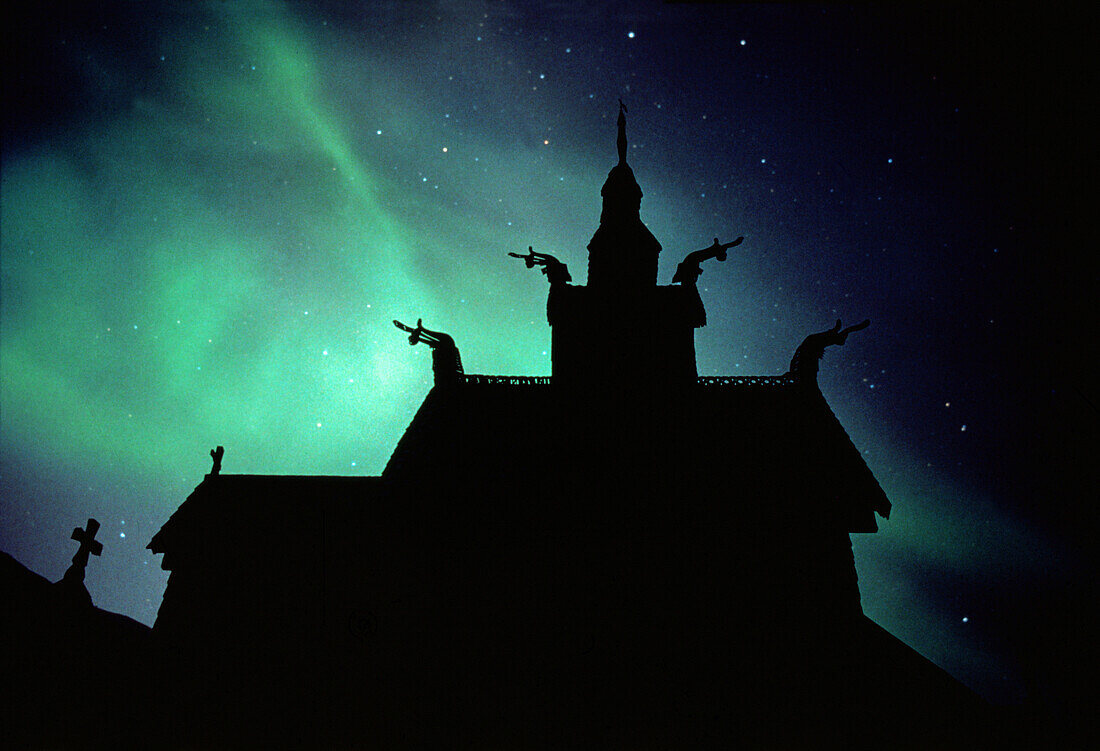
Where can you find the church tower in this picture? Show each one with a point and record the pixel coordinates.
(623, 330)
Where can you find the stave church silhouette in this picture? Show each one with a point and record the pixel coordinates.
(621, 555)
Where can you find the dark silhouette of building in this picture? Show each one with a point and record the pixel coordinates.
(621, 555)
(71, 675)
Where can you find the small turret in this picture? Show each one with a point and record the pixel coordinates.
(622, 331)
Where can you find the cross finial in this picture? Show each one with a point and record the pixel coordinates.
(88, 544)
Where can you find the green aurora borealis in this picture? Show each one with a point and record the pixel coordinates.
(205, 244)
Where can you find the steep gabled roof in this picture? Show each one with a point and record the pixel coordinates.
(759, 441)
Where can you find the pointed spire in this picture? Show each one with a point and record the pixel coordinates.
(623, 253)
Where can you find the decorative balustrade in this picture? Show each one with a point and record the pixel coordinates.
(508, 380)
(760, 380)
(705, 381)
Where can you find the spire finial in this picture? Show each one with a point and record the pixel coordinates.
(622, 133)
(216, 455)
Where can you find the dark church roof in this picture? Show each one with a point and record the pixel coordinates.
(778, 437)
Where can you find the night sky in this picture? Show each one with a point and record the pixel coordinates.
(212, 212)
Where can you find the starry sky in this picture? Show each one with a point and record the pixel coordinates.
(212, 212)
